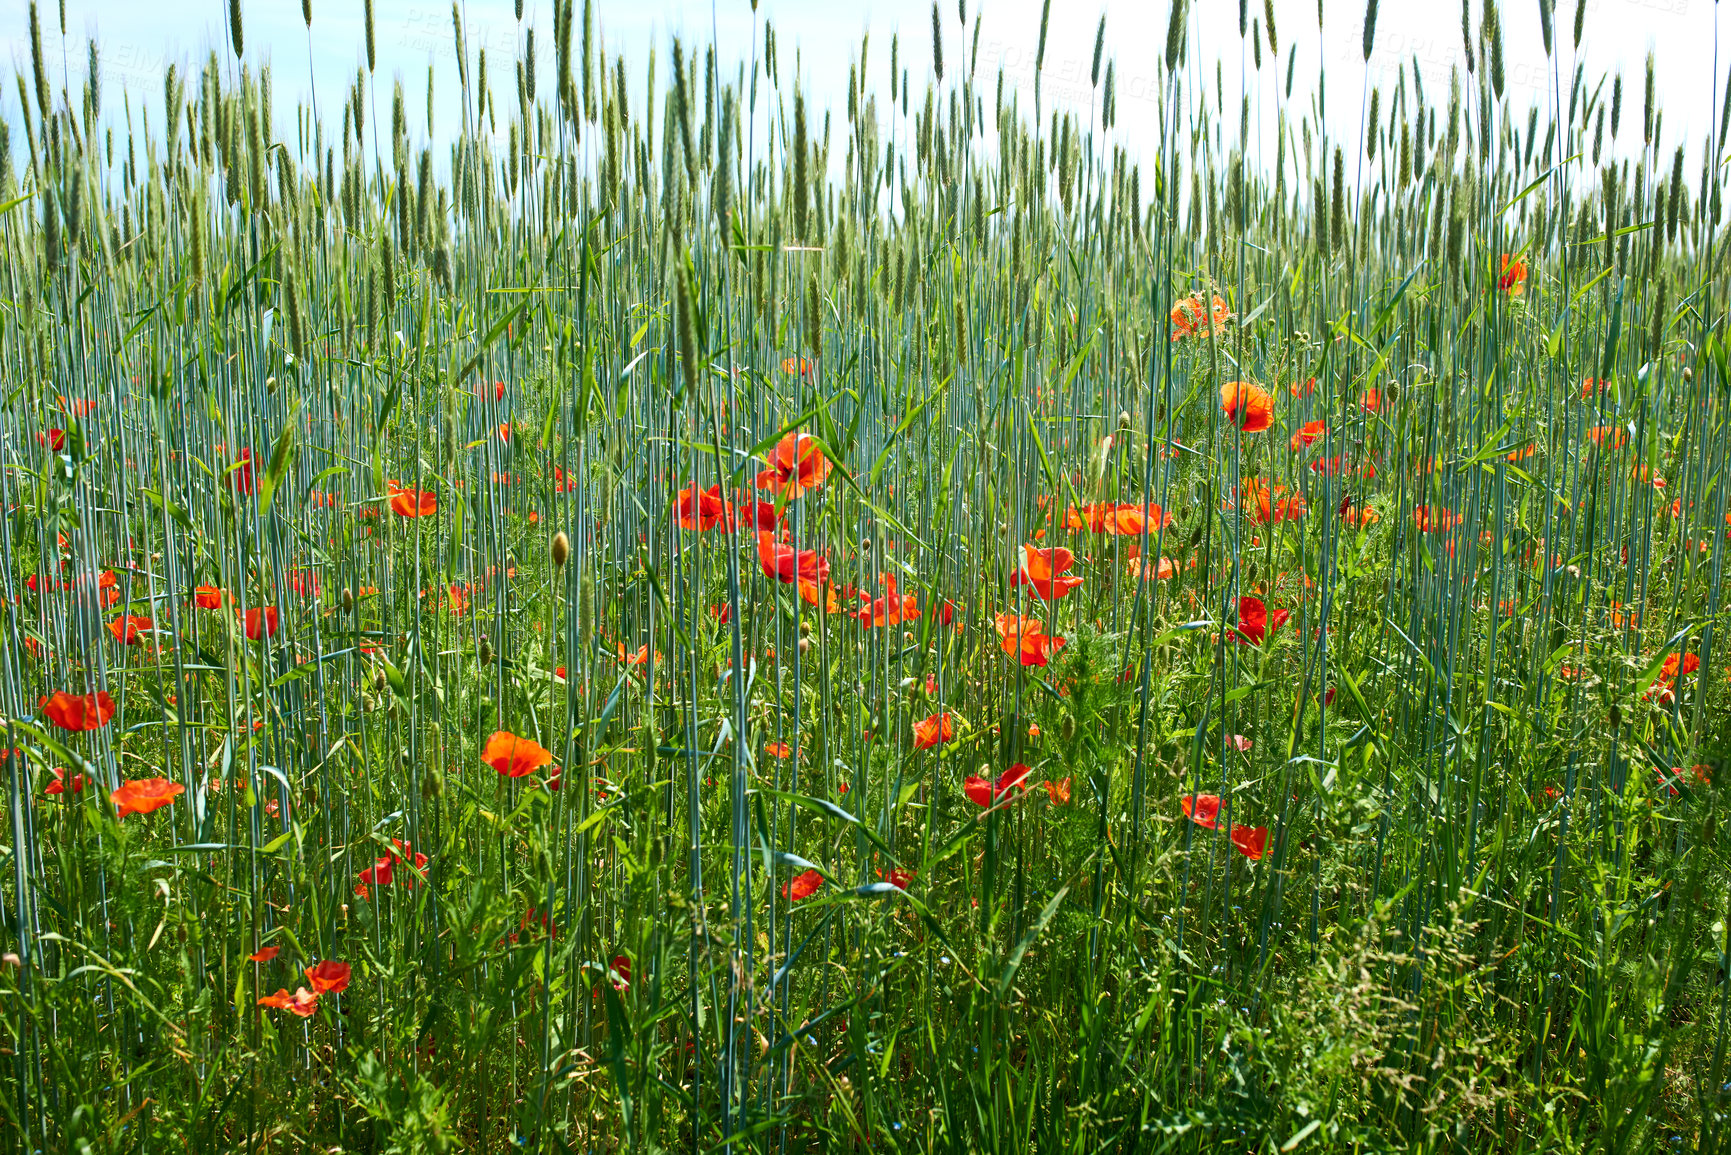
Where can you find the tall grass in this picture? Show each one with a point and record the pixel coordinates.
(1379, 734)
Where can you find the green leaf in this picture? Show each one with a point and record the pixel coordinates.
(1014, 962)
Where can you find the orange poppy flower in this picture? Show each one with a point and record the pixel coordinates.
(1591, 387)
(640, 657)
(1202, 809)
(932, 731)
(1043, 572)
(261, 622)
(143, 795)
(1434, 518)
(406, 502)
(802, 885)
(1307, 433)
(796, 465)
(778, 750)
(1059, 791)
(1027, 638)
(329, 978)
(799, 366)
(891, 609)
(1371, 402)
(513, 756)
(264, 955)
(74, 712)
(700, 509)
(1247, 405)
(1190, 317)
(1302, 390)
(1523, 452)
(1127, 519)
(207, 597)
(1513, 276)
(129, 628)
(983, 793)
(1251, 841)
(303, 1002)
(1608, 436)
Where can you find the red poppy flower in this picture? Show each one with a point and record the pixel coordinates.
(261, 622)
(1255, 622)
(753, 515)
(264, 955)
(778, 750)
(328, 977)
(700, 509)
(786, 564)
(63, 784)
(899, 877)
(1512, 278)
(1247, 405)
(143, 795)
(1043, 572)
(406, 502)
(129, 628)
(52, 439)
(303, 1002)
(1240, 743)
(802, 885)
(1371, 402)
(1307, 433)
(1608, 436)
(1250, 841)
(933, 731)
(796, 465)
(1304, 389)
(240, 477)
(1027, 638)
(1059, 791)
(621, 968)
(891, 609)
(72, 712)
(379, 873)
(207, 597)
(513, 756)
(1202, 809)
(984, 793)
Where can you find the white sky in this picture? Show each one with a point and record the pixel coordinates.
(138, 39)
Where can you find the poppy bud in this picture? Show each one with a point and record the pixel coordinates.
(1123, 419)
(804, 626)
(1616, 716)
(379, 682)
(805, 645)
(865, 545)
(1067, 728)
(486, 652)
(1709, 828)
(1688, 375)
(561, 549)
(348, 601)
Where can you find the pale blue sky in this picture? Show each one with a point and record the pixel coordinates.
(137, 40)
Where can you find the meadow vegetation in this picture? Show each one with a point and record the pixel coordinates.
(664, 616)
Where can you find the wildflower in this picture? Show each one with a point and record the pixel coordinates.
(63, 784)
(1302, 390)
(1255, 622)
(240, 477)
(899, 877)
(797, 366)
(1512, 279)
(796, 465)
(1240, 743)
(1202, 809)
(1247, 405)
(1251, 841)
(1059, 791)
(53, 440)
(983, 793)
(207, 597)
(328, 978)
(891, 609)
(129, 628)
(1591, 387)
(143, 795)
(1027, 638)
(1371, 402)
(1434, 518)
(1608, 436)
(261, 623)
(1307, 433)
(778, 750)
(407, 502)
(1043, 572)
(514, 757)
(264, 954)
(700, 509)
(802, 885)
(932, 731)
(303, 1002)
(73, 712)
(620, 972)
(1190, 317)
